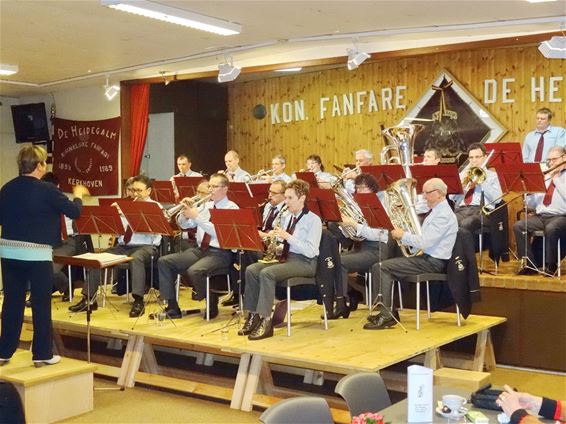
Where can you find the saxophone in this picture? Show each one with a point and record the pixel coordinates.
(273, 245)
(400, 202)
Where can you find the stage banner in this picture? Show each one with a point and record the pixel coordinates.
(86, 152)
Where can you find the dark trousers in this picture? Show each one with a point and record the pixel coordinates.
(554, 226)
(360, 261)
(469, 218)
(15, 277)
(400, 268)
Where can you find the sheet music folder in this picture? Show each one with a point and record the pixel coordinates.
(146, 217)
(236, 229)
(100, 220)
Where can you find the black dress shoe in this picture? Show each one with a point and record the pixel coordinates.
(138, 309)
(249, 326)
(170, 313)
(28, 303)
(339, 311)
(213, 303)
(263, 330)
(381, 321)
(231, 301)
(527, 271)
(82, 306)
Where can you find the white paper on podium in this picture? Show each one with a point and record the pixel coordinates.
(419, 394)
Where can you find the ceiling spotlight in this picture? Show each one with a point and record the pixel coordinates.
(6, 69)
(356, 58)
(110, 91)
(173, 15)
(227, 71)
(555, 48)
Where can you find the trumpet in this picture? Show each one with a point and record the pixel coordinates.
(193, 202)
(261, 173)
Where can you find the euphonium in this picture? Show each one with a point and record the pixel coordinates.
(273, 245)
(401, 209)
(348, 207)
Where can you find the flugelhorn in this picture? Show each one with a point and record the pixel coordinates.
(260, 174)
(191, 202)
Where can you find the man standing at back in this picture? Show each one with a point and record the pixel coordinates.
(538, 143)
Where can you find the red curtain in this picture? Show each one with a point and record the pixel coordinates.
(139, 106)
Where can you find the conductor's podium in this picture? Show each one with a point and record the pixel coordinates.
(51, 393)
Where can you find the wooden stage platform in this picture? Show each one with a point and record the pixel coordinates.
(342, 349)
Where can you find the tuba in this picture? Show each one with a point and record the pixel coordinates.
(402, 139)
(401, 207)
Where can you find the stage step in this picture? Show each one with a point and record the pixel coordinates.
(51, 393)
(464, 379)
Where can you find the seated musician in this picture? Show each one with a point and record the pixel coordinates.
(142, 247)
(430, 157)
(478, 192)
(365, 254)
(439, 230)
(128, 188)
(301, 232)
(362, 157)
(233, 170)
(314, 165)
(278, 164)
(550, 215)
(188, 237)
(197, 261)
(273, 213)
(184, 166)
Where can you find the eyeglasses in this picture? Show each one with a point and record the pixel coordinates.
(215, 186)
(430, 191)
(137, 190)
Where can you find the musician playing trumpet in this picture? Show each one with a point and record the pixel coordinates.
(550, 215)
(438, 235)
(197, 261)
(278, 164)
(481, 186)
(362, 157)
(301, 231)
(233, 171)
(364, 254)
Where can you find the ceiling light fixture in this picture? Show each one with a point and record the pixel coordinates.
(356, 57)
(539, 1)
(6, 69)
(227, 71)
(174, 15)
(555, 48)
(110, 91)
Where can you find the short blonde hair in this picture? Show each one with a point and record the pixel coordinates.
(29, 157)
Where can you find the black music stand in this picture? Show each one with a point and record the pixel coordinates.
(308, 176)
(186, 186)
(376, 217)
(504, 154)
(523, 178)
(447, 173)
(385, 175)
(235, 229)
(146, 217)
(322, 201)
(162, 192)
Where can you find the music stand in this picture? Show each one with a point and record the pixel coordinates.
(162, 192)
(376, 217)
(244, 201)
(385, 175)
(108, 201)
(523, 178)
(322, 201)
(504, 154)
(146, 217)
(235, 229)
(309, 177)
(259, 190)
(447, 173)
(187, 186)
(240, 188)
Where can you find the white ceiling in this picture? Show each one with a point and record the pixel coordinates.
(66, 44)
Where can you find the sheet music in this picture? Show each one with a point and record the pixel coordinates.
(103, 258)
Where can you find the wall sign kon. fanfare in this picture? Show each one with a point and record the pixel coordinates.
(504, 90)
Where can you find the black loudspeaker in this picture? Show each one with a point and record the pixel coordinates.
(30, 123)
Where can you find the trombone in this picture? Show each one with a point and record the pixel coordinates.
(476, 174)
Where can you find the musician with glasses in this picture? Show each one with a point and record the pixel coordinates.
(477, 192)
(438, 235)
(278, 164)
(142, 247)
(365, 254)
(430, 157)
(199, 261)
(273, 213)
(362, 157)
(538, 142)
(301, 231)
(549, 217)
(233, 171)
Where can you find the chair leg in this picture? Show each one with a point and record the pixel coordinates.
(543, 250)
(480, 238)
(229, 283)
(71, 283)
(393, 294)
(558, 259)
(370, 294)
(418, 305)
(177, 287)
(325, 316)
(288, 311)
(458, 315)
(427, 301)
(208, 298)
(104, 287)
(400, 295)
